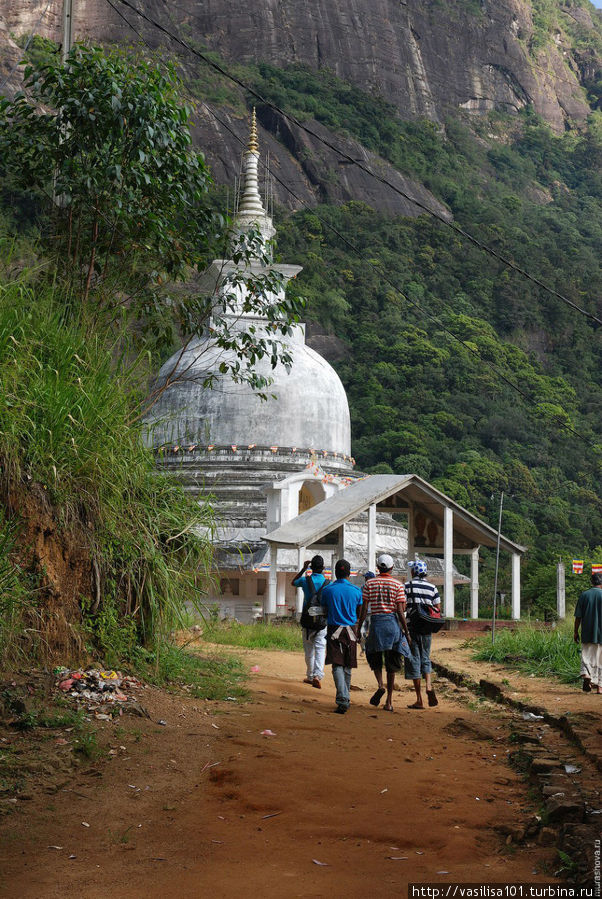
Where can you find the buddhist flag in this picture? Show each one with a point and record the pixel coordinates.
(596, 568)
(577, 566)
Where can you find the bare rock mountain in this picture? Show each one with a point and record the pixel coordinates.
(427, 57)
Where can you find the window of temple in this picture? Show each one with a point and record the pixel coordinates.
(230, 586)
(310, 495)
(261, 586)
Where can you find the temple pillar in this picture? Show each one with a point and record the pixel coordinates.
(515, 586)
(272, 597)
(411, 533)
(371, 542)
(474, 583)
(298, 590)
(448, 562)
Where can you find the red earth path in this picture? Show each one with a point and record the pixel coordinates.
(329, 805)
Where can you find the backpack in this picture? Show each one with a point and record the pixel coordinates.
(317, 620)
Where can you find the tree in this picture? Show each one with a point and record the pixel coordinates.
(104, 141)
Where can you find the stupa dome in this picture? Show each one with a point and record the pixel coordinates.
(201, 406)
(309, 410)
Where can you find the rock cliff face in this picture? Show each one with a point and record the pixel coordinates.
(427, 57)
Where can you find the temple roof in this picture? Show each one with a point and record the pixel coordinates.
(390, 493)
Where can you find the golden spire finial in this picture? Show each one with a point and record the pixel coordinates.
(253, 145)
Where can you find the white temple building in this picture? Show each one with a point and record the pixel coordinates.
(267, 465)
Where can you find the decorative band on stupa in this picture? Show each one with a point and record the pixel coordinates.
(234, 448)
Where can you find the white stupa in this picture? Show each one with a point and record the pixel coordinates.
(264, 461)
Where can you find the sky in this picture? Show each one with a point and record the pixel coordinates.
(597, 3)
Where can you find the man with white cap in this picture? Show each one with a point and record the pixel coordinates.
(388, 637)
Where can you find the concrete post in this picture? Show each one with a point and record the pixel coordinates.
(448, 561)
(560, 591)
(474, 583)
(372, 537)
(272, 598)
(281, 593)
(67, 29)
(515, 586)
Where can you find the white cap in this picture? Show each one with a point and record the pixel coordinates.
(385, 562)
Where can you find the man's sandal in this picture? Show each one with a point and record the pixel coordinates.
(376, 698)
(432, 698)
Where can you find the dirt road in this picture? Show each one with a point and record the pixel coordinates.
(351, 806)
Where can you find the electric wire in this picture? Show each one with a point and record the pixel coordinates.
(367, 170)
(382, 273)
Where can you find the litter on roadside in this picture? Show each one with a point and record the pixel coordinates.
(95, 687)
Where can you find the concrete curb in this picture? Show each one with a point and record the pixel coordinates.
(575, 729)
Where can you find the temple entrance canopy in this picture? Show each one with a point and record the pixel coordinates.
(437, 526)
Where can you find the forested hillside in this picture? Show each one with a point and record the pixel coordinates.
(457, 366)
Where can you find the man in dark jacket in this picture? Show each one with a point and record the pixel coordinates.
(588, 616)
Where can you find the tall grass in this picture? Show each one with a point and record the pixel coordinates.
(254, 636)
(13, 585)
(545, 653)
(69, 401)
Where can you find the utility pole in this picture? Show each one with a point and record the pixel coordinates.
(560, 591)
(67, 29)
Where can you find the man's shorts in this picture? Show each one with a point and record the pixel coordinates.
(392, 660)
(420, 663)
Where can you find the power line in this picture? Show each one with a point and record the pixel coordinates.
(383, 180)
(382, 273)
(129, 24)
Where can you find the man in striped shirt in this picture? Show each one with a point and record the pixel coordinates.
(387, 640)
(419, 590)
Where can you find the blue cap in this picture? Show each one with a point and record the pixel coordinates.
(368, 575)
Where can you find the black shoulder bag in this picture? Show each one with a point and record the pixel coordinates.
(423, 618)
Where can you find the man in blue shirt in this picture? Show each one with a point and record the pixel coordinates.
(313, 627)
(342, 602)
(588, 616)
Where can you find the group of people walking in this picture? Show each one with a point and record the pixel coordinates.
(334, 614)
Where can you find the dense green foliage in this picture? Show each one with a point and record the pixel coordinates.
(422, 401)
(103, 146)
(66, 425)
(111, 143)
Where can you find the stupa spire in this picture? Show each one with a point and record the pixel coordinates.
(253, 145)
(251, 211)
